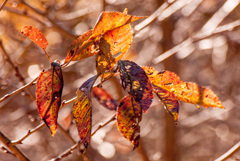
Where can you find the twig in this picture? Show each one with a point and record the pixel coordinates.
(56, 26)
(75, 146)
(202, 33)
(185, 43)
(151, 18)
(17, 73)
(13, 148)
(229, 153)
(5, 150)
(3, 4)
(19, 141)
(18, 90)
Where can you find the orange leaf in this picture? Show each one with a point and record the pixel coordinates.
(136, 83)
(48, 95)
(169, 100)
(78, 52)
(104, 98)
(35, 35)
(129, 114)
(110, 20)
(82, 111)
(186, 92)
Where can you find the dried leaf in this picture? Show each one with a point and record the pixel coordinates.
(129, 114)
(110, 20)
(136, 83)
(35, 35)
(186, 92)
(48, 95)
(82, 111)
(169, 100)
(104, 98)
(80, 53)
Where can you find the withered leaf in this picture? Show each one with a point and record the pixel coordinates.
(77, 51)
(136, 83)
(169, 100)
(82, 111)
(35, 35)
(48, 95)
(186, 92)
(104, 98)
(129, 114)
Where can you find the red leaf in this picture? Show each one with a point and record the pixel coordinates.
(129, 114)
(48, 95)
(186, 92)
(169, 100)
(136, 83)
(35, 35)
(104, 98)
(110, 20)
(76, 48)
(82, 111)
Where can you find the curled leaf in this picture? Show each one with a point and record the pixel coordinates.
(82, 111)
(35, 35)
(110, 20)
(186, 92)
(104, 98)
(48, 95)
(169, 100)
(136, 83)
(77, 51)
(129, 114)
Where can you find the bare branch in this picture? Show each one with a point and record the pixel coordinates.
(5, 150)
(13, 148)
(17, 73)
(18, 90)
(75, 146)
(3, 4)
(204, 33)
(229, 153)
(19, 141)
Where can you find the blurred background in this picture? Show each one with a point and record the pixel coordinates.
(207, 55)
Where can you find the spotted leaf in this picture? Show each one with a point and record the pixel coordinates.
(129, 114)
(136, 83)
(82, 111)
(35, 35)
(48, 95)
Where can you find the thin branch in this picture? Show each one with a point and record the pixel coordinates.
(203, 32)
(3, 4)
(229, 153)
(17, 73)
(75, 146)
(18, 90)
(196, 38)
(13, 148)
(19, 141)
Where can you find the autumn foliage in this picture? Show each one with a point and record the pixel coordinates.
(109, 40)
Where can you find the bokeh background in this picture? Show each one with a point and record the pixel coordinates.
(211, 61)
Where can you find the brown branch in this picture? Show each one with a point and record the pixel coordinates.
(5, 150)
(17, 73)
(18, 90)
(75, 146)
(196, 38)
(13, 148)
(56, 26)
(229, 153)
(3, 4)
(19, 141)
